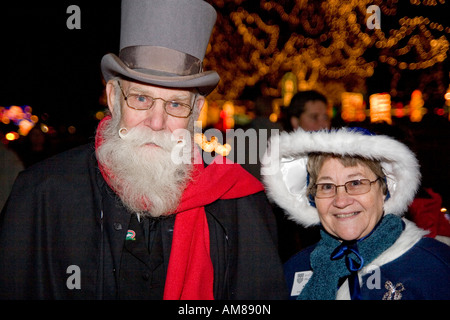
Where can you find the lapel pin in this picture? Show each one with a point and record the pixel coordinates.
(131, 235)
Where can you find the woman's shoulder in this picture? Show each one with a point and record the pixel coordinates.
(423, 272)
(297, 271)
(413, 246)
(300, 260)
(434, 250)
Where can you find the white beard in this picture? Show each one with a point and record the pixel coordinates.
(144, 176)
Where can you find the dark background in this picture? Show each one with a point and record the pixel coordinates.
(51, 68)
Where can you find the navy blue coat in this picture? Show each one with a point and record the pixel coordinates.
(422, 272)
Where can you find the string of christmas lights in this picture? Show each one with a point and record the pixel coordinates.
(323, 43)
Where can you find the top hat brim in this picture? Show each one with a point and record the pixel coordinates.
(205, 82)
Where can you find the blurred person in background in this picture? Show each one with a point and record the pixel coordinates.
(35, 147)
(307, 110)
(263, 128)
(10, 166)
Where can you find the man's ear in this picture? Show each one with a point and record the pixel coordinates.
(199, 103)
(110, 95)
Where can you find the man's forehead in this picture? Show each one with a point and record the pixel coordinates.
(137, 87)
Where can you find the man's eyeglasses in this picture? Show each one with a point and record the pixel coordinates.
(353, 187)
(143, 102)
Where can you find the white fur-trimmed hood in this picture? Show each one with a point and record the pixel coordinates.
(285, 176)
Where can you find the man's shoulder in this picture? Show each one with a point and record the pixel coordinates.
(258, 198)
(254, 201)
(69, 161)
(69, 165)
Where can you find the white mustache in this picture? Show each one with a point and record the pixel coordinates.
(140, 136)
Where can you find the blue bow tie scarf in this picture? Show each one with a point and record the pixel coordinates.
(347, 249)
(333, 261)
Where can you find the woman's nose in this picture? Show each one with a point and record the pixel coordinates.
(342, 199)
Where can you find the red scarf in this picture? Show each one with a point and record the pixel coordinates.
(190, 273)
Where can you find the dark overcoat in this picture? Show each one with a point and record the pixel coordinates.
(56, 227)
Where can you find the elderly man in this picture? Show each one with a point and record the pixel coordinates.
(124, 218)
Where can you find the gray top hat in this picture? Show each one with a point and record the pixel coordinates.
(163, 43)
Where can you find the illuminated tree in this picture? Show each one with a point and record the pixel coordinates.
(326, 44)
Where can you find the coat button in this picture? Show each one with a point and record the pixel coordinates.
(145, 276)
(117, 226)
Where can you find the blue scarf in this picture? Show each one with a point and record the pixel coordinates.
(333, 261)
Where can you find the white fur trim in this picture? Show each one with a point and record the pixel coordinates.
(443, 239)
(284, 168)
(343, 292)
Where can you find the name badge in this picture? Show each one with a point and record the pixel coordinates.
(301, 278)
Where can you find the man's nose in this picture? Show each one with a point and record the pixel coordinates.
(156, 116)
(323, 122)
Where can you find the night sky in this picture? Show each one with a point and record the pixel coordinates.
(51, 68)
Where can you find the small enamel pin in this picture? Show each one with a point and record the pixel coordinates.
(131, 235)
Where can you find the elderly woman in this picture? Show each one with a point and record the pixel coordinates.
(356, 185)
